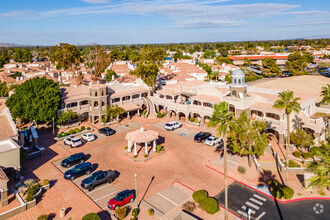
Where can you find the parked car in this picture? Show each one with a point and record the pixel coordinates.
(73, 141)
(201, 136)
(98, 178)
(107, 131)
(170, 126)
(78, 170)
(121, 199)
(212, 140)
(73, 159)
(88, 137)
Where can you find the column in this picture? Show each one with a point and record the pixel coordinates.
(177, 116)
(129, 146)
(128, 115)
(138, 112)
(146, 148)
(168, 115)
(202, 121)
(154, 146)
(135, 153)
(4, 197)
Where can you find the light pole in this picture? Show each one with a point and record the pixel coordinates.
(136, 201)
(53, 127)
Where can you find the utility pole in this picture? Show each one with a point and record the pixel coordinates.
(53, 127)
(136, 201)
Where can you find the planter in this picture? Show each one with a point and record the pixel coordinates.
(144, 159)
(46, 187)
(194, 123)
(69, 126)
(38, 194)
(82, 132)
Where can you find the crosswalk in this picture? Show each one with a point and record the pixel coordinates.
(253, 204)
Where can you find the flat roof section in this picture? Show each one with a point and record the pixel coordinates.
(7, 145)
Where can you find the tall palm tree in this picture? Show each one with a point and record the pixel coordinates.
(223, 120)
(321, 168)
(288, 103)
(325, 93)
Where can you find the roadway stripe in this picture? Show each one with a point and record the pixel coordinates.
(259, 197)
(252, 211)
(252, 205)
(262, 214)
(242, 213)
(256, 201)
(97, 189)
(105, 195)
(168, 199)
(232, 161)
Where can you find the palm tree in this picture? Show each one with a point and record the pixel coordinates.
(325, 93)
(288, 103)
(223, 120)
(321, 168)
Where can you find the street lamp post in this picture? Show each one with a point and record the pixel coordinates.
(53, 127)
(136, 201)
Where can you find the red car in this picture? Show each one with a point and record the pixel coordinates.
(121, 199)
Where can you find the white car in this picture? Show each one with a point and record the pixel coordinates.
(170, 126)
(73, 141)
(212, 140)
(88, 137)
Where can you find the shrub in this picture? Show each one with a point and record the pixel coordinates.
(29, 182)
(241, 170)
(313, 150)
(43, 217)
(29, 198)
(135, 156)
(297, 154)
(65, 134)
(135, 212)
(77, 130)
(70, 132)
(274, 188)
(293, 164)
(59, 135)
(91, 216)
(104, 120)
(33, 189)
(44, 182)
(144, 112)
(133, 218)
(210, 205)
(151, 212)
(310, 154)
(199, 195)
(189, 206)
(159, 148)
(321, 193)
(146, 155)
(287, 192)
(88, 128)
(160, 115)
(192, 119)
(121, 212)
(305, 155)
(83, 128)
(126, 147)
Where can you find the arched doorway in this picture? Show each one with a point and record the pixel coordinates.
(231, 108)
(181, 116)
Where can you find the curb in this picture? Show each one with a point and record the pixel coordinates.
(288, 201)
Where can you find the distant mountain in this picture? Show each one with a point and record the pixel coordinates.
(14, 45)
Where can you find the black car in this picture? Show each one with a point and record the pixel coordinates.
(73, 159)
(107, 131)
(201, 136)
(98, 178)
(79, 170)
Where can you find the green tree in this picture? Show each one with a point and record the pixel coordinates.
(36, 100)
(66, 116)
(3, 89)
(148, 73)
(289, 104)
(17, 74)
(270, 68)
(297, 63)
(321, 168)
(223, 120)
(22, 55)
(302, 139)
(221, 60)
(4, 57)
(99, 59)
(178, 55)
(114, 111)
(109, 75)
(91, 216)
(247, 62)
(65, 56)
(325, 93)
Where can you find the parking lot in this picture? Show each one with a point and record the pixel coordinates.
(100, 195)
(184, 132)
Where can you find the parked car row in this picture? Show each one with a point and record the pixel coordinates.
(206, 138)
(95, 179)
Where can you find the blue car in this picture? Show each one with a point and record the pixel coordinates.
(73, 159)
(79, 170)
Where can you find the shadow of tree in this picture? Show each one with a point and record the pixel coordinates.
(264, 176)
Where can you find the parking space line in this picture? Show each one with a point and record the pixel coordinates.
(252, 205)
(232, 161)
(262, 214)
(105, 196)
(168, 199)
(97, 189)
(80, 178)
(256, 201)
(259, 197)
(252, 211)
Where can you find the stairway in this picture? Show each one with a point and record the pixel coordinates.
(151, 108)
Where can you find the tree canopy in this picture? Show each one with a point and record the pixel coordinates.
(4, 57)
(66, 116)
(325, 93)
(297, 63)
(22, 55)
(36, 100)
(3, 89)
(65, 56)
(221, 60)
(270, 68)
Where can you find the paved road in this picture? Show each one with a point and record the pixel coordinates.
(262, 207)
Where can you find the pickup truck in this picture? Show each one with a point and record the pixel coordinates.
(98, 178)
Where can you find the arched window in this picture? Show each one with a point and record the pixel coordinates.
(95, 93)
(239, 81)
(96, 104)
(102, 93)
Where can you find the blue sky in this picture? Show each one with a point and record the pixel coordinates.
(49, 22)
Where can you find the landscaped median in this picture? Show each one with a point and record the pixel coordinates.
(74, 131)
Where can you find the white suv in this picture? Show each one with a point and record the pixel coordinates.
(170, 126)
(73, 141)
(88, 137)
(212, 140)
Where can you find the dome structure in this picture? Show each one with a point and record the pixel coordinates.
(238, 72)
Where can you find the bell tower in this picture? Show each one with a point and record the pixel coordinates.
(238, 88)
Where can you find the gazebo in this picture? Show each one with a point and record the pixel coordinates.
(141, 136)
